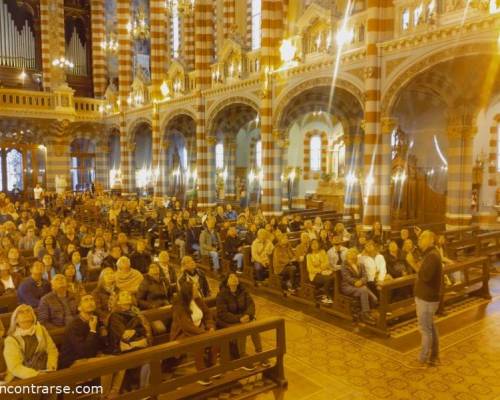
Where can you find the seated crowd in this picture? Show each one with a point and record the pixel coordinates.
(49, 257)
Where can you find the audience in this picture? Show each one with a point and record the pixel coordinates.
(210, 243)
(191, 273)
(284, 265)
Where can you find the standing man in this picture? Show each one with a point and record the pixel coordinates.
(427, 293)
(37, 194)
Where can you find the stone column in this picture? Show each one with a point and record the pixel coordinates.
(461, 130)
(229, 17)
(52, 41)
(123, 11)
(231, 166)
(203, 58)
(101, 163)
(98, 59)
(388, 125)
(272, 31)
(158, 37)
(353, 164)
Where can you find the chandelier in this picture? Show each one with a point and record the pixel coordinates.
(139, 27)
(183, 6)
(110, 44)
(62, 63)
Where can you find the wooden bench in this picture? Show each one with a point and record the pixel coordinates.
(476, 282)
(184, 386)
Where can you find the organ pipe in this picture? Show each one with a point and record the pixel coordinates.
(17, 48)
(77, 53)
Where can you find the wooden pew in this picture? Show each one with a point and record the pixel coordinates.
(475, 282)
(184, 386)
(9, 302)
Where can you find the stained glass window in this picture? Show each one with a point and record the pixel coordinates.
(256, 24)
(14, 169)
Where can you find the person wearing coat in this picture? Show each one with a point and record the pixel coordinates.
(105, 294)
(58, 307)
(154, 291)
(191, 273)
(235, 306)
(28, 347)
(354, 284)
(33, 288)
(210, 243)
(192, 317)
(9, 281)
(284, 264)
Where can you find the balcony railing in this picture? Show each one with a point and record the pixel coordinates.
(20, 99)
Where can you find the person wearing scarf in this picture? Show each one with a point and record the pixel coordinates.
(105, 294)
(127, 278)
(28, 350)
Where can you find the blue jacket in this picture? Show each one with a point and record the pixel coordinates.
(29, 292)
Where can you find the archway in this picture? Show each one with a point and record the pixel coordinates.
(436, 114)
(83, 164)
(235, 130)
(143, 176)
(317, 131)
(178, 158)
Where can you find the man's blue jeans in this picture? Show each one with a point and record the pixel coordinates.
(430, 338)
(215, 260)
(238, 257)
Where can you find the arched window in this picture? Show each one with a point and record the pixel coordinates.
(82, 164)
(256, 20)
(258, 154)
(184, 161)
(315, 153)
(176, 33)
(405, 20)
(219, 156)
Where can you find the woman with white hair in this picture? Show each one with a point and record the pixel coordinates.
(127, 278)
(29, 350)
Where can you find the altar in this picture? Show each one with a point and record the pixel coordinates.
(332, 194)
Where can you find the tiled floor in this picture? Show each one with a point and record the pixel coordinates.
(324, 361)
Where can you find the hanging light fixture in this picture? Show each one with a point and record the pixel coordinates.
(62, 63)
(110, 44)
(139, 28)
(183, 6)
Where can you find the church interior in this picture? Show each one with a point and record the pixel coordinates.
(250, 199)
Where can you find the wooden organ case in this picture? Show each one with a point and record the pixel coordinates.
(20, 45)
(413, 201)
(78, 46)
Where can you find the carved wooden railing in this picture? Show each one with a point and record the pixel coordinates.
(184, 386)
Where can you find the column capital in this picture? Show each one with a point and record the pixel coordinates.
(462, 123)
(388, 124)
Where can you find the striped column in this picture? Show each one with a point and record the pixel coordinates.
(231, 165)
(353, 164)
(125, 157)
(45, 44)
(98, 60)
(272, 30)
(156, 150)
(203, 58)
(248, 35)
(101, 164)
(492, 153)
(123, 12)
(372, 155)
(385, 169)
(58, 161)
(229, 17)
(158, 30)
(187, 47)
(460, 160)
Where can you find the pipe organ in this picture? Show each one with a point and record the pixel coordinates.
(17, 49)
(76, 52)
